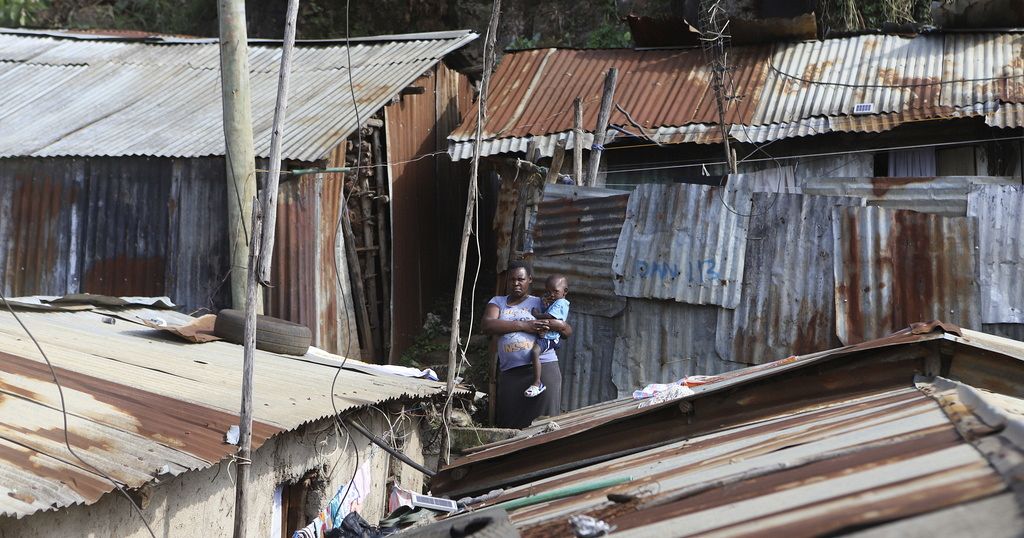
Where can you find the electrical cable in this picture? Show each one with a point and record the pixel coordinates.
(342, 211)
(64, 415)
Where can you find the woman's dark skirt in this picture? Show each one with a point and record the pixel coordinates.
(515, 410)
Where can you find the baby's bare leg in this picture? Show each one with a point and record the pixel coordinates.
(535, 357)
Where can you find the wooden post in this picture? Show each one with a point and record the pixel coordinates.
(243, 458)
(239, 153)
(556, 163)
(356, 280)
(274, 176)
(577, 141)
(382, 255)
(603, 116)
(467, 227)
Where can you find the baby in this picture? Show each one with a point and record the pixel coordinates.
(555, 307)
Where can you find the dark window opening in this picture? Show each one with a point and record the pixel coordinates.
(881, 164)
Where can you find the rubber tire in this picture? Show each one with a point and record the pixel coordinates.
(272, 334)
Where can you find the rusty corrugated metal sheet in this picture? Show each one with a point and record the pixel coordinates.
(943, 195)
(421, 198)
(625, 427)
(565, 226)
(74, 97)
(802, 88)
(1000, 214)
(534, 89)
(138, 402)
(684, 242)
(894, 268)
(663, 341)
(787, 305)
(860, 462)
(304, 287)
(114, 227)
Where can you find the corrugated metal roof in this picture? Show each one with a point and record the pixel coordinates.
(894, 268)
(791, 311)
(1000, 214)
(855, 462)
(943, 195)
(139, 401)
(108, 98)
(684, 242)
(859, 457)
(534, 90)
(796, 89)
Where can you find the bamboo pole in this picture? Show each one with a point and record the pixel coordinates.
(243, 457)
(239, 154)
(280, 110)
(603, 115)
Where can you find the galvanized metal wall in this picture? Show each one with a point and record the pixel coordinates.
(135, 226)
(684, 242)
(788, 285)
(894, 268)
(1000, 214)
(155, 226)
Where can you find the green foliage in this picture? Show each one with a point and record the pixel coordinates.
(610, 35)
(21, 12)
(521, 43)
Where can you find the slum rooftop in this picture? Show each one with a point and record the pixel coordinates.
(91, 96)
(905, 435)
(780, 90)
(143, 405)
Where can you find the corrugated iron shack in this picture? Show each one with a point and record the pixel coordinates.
(874, 173)
(152, 412)
(913, 434)
(112, 174)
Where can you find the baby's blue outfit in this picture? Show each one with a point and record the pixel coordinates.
(558, 310)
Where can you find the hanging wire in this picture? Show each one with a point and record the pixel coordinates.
(64, 417)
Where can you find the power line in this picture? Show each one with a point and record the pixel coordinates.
(64, 416)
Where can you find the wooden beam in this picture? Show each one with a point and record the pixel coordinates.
(556, 163)
(577, 141)
(603, 115)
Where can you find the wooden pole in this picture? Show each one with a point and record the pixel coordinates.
(239, 153)
(280, 109)
(603, 115)
(243, 457)
(577, 141)
(556, 163)
(467, 226)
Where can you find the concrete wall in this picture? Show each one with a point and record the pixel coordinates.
(201, 503)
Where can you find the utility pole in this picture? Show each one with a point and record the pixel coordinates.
(243, 457)
(238, 145)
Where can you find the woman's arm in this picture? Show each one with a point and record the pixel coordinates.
(490, 324)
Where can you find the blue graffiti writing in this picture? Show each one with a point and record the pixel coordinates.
(696, 271)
